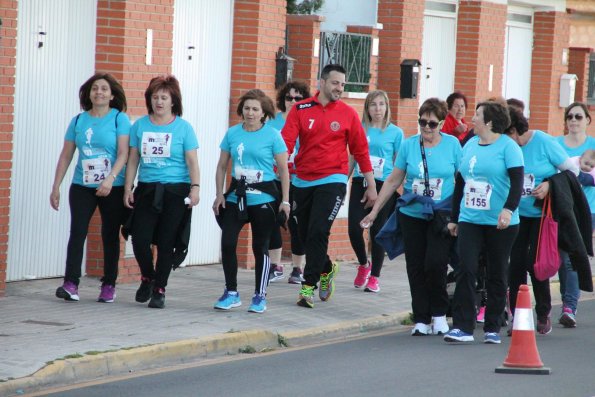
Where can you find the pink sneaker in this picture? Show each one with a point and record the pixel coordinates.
(481, 315)
(363, 272)
(373, 285)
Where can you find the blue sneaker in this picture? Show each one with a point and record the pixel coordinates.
(491, 337)
(259, 304)
(228, 300)
(456, 335)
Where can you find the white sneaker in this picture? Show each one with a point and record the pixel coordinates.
(440, 326)
(421, 329)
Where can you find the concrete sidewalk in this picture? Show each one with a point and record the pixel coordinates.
(46, 341)
(43, 337)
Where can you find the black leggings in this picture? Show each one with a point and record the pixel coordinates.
(297, 248)
(167, 224)
(262, 219)
(426, 258)
(522, 258)
(356, 234)
(83, 202)
(498, 244)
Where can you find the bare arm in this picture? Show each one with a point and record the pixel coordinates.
(63, 162)
(219, 180)
(392, 183)
(131, 169)
(281, 160)
(123, 147)
(191, 158)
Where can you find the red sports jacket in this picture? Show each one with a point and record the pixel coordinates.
(324, 133)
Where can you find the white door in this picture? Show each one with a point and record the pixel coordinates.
(202, 63)
(518, 54)
(437, 70)
(55, 55)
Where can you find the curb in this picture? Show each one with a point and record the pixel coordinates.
(92, 367)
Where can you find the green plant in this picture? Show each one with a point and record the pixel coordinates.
(247, 349)
(282, 341)
(304, 7)
(408, 320)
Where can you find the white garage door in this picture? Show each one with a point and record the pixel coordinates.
(202, 63)
(518, 55)
(55, 55)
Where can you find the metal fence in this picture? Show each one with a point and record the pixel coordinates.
(350, 50)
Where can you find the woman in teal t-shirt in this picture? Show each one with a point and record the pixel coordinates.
(575, 143)
(543, 157)
(485, 214)
(384, 140)
(252, 147)
(100, 134)
(163, 150)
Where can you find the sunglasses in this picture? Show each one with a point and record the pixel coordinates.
(577, 117)
(432, 124)
(290, 98)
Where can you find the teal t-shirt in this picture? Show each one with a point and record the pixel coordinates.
(162, 149)
(383, 146)
(487, 184)
(278, 123)
(577, 151)
(253, 156)
(96, 139)
(542, 156)
(443, 161)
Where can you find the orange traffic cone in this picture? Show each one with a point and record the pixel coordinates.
(523, 357)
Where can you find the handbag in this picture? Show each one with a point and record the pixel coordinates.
(547, 261)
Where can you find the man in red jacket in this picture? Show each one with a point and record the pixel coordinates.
(325, 126)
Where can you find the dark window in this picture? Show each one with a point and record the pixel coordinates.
(591, 81)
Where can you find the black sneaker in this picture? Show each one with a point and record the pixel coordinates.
(158, 299)
(143, 293)
(275, 273)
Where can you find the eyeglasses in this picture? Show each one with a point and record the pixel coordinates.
(290, 98)
(577, 117)
(432, 124)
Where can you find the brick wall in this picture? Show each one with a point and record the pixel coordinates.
(401, 38)
(8, 45)
(578, 63)
(551, 36)
(120, 50)
(258, 32)
(480, 43)
(302, 32)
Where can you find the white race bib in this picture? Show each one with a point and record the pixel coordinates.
(377, 166)
(252, 176)
(156, 144)
(418, 186)
(528, 185)
(477, 194)
(96, 170)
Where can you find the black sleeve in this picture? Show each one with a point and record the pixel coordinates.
(456, 198)
(516, 187)
(586, 179)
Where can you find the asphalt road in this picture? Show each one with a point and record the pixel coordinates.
(388, 364)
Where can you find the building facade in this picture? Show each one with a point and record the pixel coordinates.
(220, 49)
